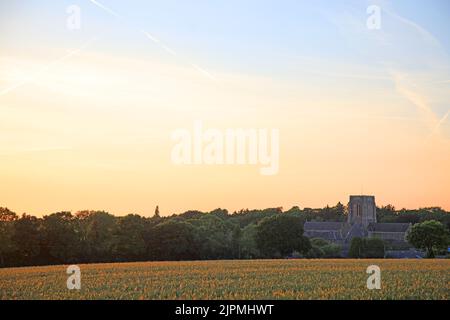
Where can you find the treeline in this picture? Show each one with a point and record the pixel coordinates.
(97, 236)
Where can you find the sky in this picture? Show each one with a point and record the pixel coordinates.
(87, 114)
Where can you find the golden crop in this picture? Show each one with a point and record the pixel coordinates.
(244, 279)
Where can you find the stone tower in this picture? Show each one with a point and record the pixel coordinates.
(362, 210)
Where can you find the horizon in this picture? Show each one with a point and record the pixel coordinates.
(89, 104)
(231, 212)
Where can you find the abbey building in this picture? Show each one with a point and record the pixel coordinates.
(361, 222)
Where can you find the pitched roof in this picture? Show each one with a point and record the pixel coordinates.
(325, 226)
(357, 230)
(326, 234)
(388, 227)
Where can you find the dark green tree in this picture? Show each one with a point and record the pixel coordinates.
(315, 252)
(322, 248)
(97, 230)
(59, 239)
(173, 240)
(236, 240)
(7, 245)
(249, 248)
(281, 235)
(331, 250)
(129, 243)
(214, 235)
(356, 248)
(319, 242)
(27, 240)
(366, 248)
(373, 248)
(430, 236)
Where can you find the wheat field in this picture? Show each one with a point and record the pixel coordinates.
(242, 279)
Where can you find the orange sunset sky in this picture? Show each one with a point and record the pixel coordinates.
(86, 115)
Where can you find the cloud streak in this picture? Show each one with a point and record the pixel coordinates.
(46, 67)
(154, 39)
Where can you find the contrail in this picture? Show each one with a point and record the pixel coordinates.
(105, 8)
(151, 37)
(206, 73)
(46, 67)
(440, 122)
(154, 40)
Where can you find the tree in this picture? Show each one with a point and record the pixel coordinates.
(339, 208)
(319, 242)
(430, 236)
(280, 235)
(366, 248)
(129, 242)
(373, 248)
(389, 207)
(322, 248)
(356, 248)
(214, 235)
(59, 239)
(7, 246)
(97, 236)
(96, 229)
(249, 248)
(27, 240)
(331, 250)
(315, 252)
(236, 239)
(172, 240)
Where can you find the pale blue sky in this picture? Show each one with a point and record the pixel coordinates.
(245, 35)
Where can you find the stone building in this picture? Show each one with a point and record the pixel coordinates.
(361, 222)
(362, 210)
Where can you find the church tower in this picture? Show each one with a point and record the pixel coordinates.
(362, 210)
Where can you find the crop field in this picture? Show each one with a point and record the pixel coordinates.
(243, 279)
